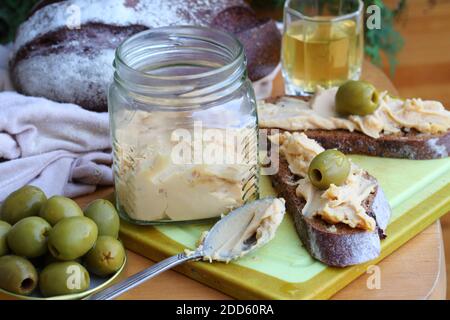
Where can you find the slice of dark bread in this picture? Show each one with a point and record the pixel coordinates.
(406, 145)
(335, 245)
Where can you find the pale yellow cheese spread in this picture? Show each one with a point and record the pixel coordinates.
(298, 150)
(260, 219)
(392, 115)
(337, 204)
(151, 186)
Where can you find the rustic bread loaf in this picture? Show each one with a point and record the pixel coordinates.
(75, 64)
(336, 245)
(405, 145)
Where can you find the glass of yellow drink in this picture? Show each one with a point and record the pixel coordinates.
(322, 43)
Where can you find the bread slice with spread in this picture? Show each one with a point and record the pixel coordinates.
(396, 128)
(340, 225)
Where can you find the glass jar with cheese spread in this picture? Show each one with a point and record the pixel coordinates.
(183, 126)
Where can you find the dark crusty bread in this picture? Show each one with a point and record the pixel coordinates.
(411, 145)
(335, 245)
(406, 145)
(262, 52)
(65, 63)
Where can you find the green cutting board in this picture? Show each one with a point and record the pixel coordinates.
(418, 192)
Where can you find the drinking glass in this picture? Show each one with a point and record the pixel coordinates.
(322, 44)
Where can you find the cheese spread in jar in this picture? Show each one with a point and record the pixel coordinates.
(153, 184)
(183, 131)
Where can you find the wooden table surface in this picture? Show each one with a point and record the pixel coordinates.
(415, 271)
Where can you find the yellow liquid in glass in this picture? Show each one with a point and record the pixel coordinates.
(321, 53)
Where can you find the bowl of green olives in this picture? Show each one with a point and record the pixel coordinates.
(50, 249)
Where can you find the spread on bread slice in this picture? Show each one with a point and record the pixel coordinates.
(340, 225)
(411, 128)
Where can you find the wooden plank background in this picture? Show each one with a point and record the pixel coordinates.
(424, 62)
(424, 65)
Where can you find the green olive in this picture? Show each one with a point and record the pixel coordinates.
(62, 278)
(105, 216)
(72, 237)
(4, 229)
(17, 275)
(329, 167)
(22, 203)
(58, 207)
(28, 237)
(356, 98)
(106, 257)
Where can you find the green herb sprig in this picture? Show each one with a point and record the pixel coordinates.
(12, 14)
(386, 39)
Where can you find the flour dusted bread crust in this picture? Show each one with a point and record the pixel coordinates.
(411, 145)
(75, 64)
(336, 245)
(406, 145)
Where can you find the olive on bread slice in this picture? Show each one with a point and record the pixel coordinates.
(355, 118)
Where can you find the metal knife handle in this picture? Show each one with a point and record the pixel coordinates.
(146, 274)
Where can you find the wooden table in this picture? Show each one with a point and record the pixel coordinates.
(415, 271)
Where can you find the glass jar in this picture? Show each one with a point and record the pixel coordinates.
(183, 126)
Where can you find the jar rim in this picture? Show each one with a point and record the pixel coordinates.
(187, 31)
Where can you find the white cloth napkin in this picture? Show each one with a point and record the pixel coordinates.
(61, 148)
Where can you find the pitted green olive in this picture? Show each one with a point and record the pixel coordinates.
(356, 98)
(105, 257)
(72, 238)
(105, 216)
(4, 229)
(22, 203)
(58, 207)
(17, 275)
(329, 167)
(28, 237)
(62, 278)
